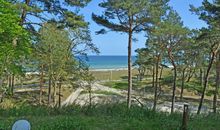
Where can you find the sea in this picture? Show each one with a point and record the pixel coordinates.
(107, 62)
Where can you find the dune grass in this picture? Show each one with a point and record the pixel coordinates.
(104, 117)
(112, 75)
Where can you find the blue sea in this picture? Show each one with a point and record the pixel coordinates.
(108, 62)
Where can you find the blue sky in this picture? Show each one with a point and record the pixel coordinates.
(116, 43)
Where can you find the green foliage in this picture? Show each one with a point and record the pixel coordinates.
(64, 14)
(192, 86)
(207, 38)
(167, 80)
(123, 84)
(115, 116)
(14, 39)
(117, 85)
(170, 32)
(57, 11)
(9, 23)
(144, 61)
(168, 39)
(128, 17)
(209, 12)
(54, 53)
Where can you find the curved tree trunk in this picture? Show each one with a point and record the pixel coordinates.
(201, 76)
(24, 12)
(192, 72)
(217, 83)
(205, 82)
(182, 84)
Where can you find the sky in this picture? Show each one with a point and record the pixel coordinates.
(114, 43)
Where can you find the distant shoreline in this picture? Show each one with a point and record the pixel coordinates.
(113, 69)
(107, 63)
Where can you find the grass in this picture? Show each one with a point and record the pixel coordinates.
(104, 117)
(117, 84)
(112, 75)
(124, 84)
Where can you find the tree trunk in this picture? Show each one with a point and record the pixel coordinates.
(49, 91)
(174, 89)
(129, 69)
(24, 12)
(217, 83)
(1, 82)
(12, 84)
(54, 93)
(205, 82)
(174, 78)
(201, 76)
(143, 73)
(160, 80)
(60, 86)
(182, 85)
(190, 75)
(9, 83)
(41, 84)
(153, 76)
(90, 95)
(139, 74)
(161, 72)
(156, 84)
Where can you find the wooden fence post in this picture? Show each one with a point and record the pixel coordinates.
(185, 117)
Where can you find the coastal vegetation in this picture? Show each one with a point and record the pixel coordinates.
(114, 116)
(45, 77)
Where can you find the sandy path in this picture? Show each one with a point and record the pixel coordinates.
(70, 100)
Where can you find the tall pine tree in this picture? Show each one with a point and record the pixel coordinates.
(130, 17)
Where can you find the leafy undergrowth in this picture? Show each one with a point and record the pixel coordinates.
(105, 117)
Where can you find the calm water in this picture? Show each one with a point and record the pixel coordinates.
(108, 62)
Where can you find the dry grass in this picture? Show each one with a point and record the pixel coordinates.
(112, 75)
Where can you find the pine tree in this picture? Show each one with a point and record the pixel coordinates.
(171, 34)
(130, 17)
(209, 12)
